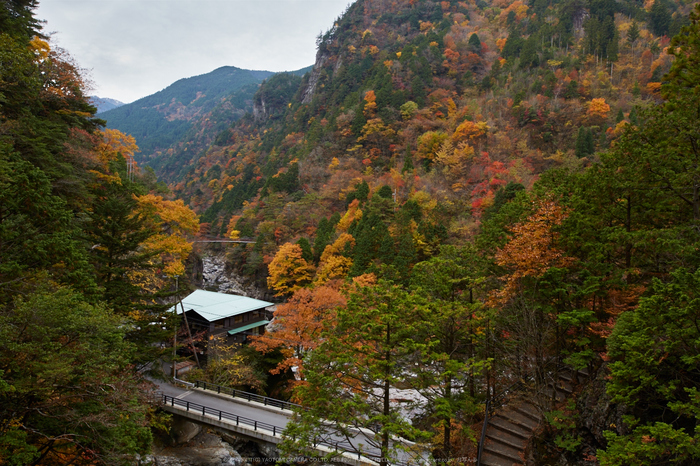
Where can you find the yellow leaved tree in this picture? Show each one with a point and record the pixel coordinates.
(174, 223)
(354, 213)
(598, 111)
(334, 265)
(289, 271)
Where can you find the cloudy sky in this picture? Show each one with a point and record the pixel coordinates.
(133, 48)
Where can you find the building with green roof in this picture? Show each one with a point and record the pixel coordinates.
(217, 313)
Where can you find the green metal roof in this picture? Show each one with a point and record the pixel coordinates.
(214, 306)
(248, 327)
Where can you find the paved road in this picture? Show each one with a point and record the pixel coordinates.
(268, 415)
(234, 406)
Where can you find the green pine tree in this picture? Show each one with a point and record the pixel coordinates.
(633, 32)
(659, 18)
(351, 375)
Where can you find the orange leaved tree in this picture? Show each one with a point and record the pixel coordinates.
(297, 326)
(598, 111)
(532, 250)
(534, 305)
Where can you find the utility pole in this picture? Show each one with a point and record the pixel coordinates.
(177, 296)
(189, 332)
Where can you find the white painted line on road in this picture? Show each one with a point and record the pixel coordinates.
(184, 395)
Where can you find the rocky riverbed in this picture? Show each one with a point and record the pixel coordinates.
(215, 277)
(208, 448)
(205, 449)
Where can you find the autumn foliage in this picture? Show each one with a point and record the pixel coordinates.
(176, 224)
(289, 271)
(532, 250)
(298, 324)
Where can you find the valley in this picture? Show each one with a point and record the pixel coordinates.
(473, 217)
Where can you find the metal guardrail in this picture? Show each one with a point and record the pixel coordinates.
(247, 396)
(339, 447)
(217, 413)
(184, 382)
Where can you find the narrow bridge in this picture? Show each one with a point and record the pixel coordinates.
(263, 419)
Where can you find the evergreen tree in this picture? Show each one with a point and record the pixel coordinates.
(305, 250)
(659, 18)
(18, 21)
(370, 234)
(68, 394)
(503, 196)
(571, 90)
(474, 43)
(68, 389)
(592, 28)
(37, 229)
(528, 54)
(613, 46)
(636, 91)
(385, 192)
(655, 375)
(514, 45)
(362, 191)
(450, 339)
(324, 233)
(407, 161)
(510, 19)
(585, 145)
(351, 375)
(633, 32)
(633, 116)
(115, 233)
(620, 116)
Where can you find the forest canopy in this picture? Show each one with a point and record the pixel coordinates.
(83, 248)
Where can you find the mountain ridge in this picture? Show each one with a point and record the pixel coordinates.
(104, 104)
(444, 103)
(184, 110)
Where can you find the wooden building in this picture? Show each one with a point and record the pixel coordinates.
(218, 313)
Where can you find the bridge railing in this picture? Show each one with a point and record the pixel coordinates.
(339, 446)
(220, 415)
(247, 396)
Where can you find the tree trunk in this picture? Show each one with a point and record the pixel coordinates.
(447, 444)
(628, 247)
(384, 460)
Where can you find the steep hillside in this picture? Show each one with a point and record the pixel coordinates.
(174, 127)
(86, 246)
(160, 120)
(440, 104)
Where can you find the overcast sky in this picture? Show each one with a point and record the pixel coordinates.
(134, 48)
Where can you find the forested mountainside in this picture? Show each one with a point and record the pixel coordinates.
(87, 249)
(444, 103)
(463, 200)
(512, 186)
(175, 125)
